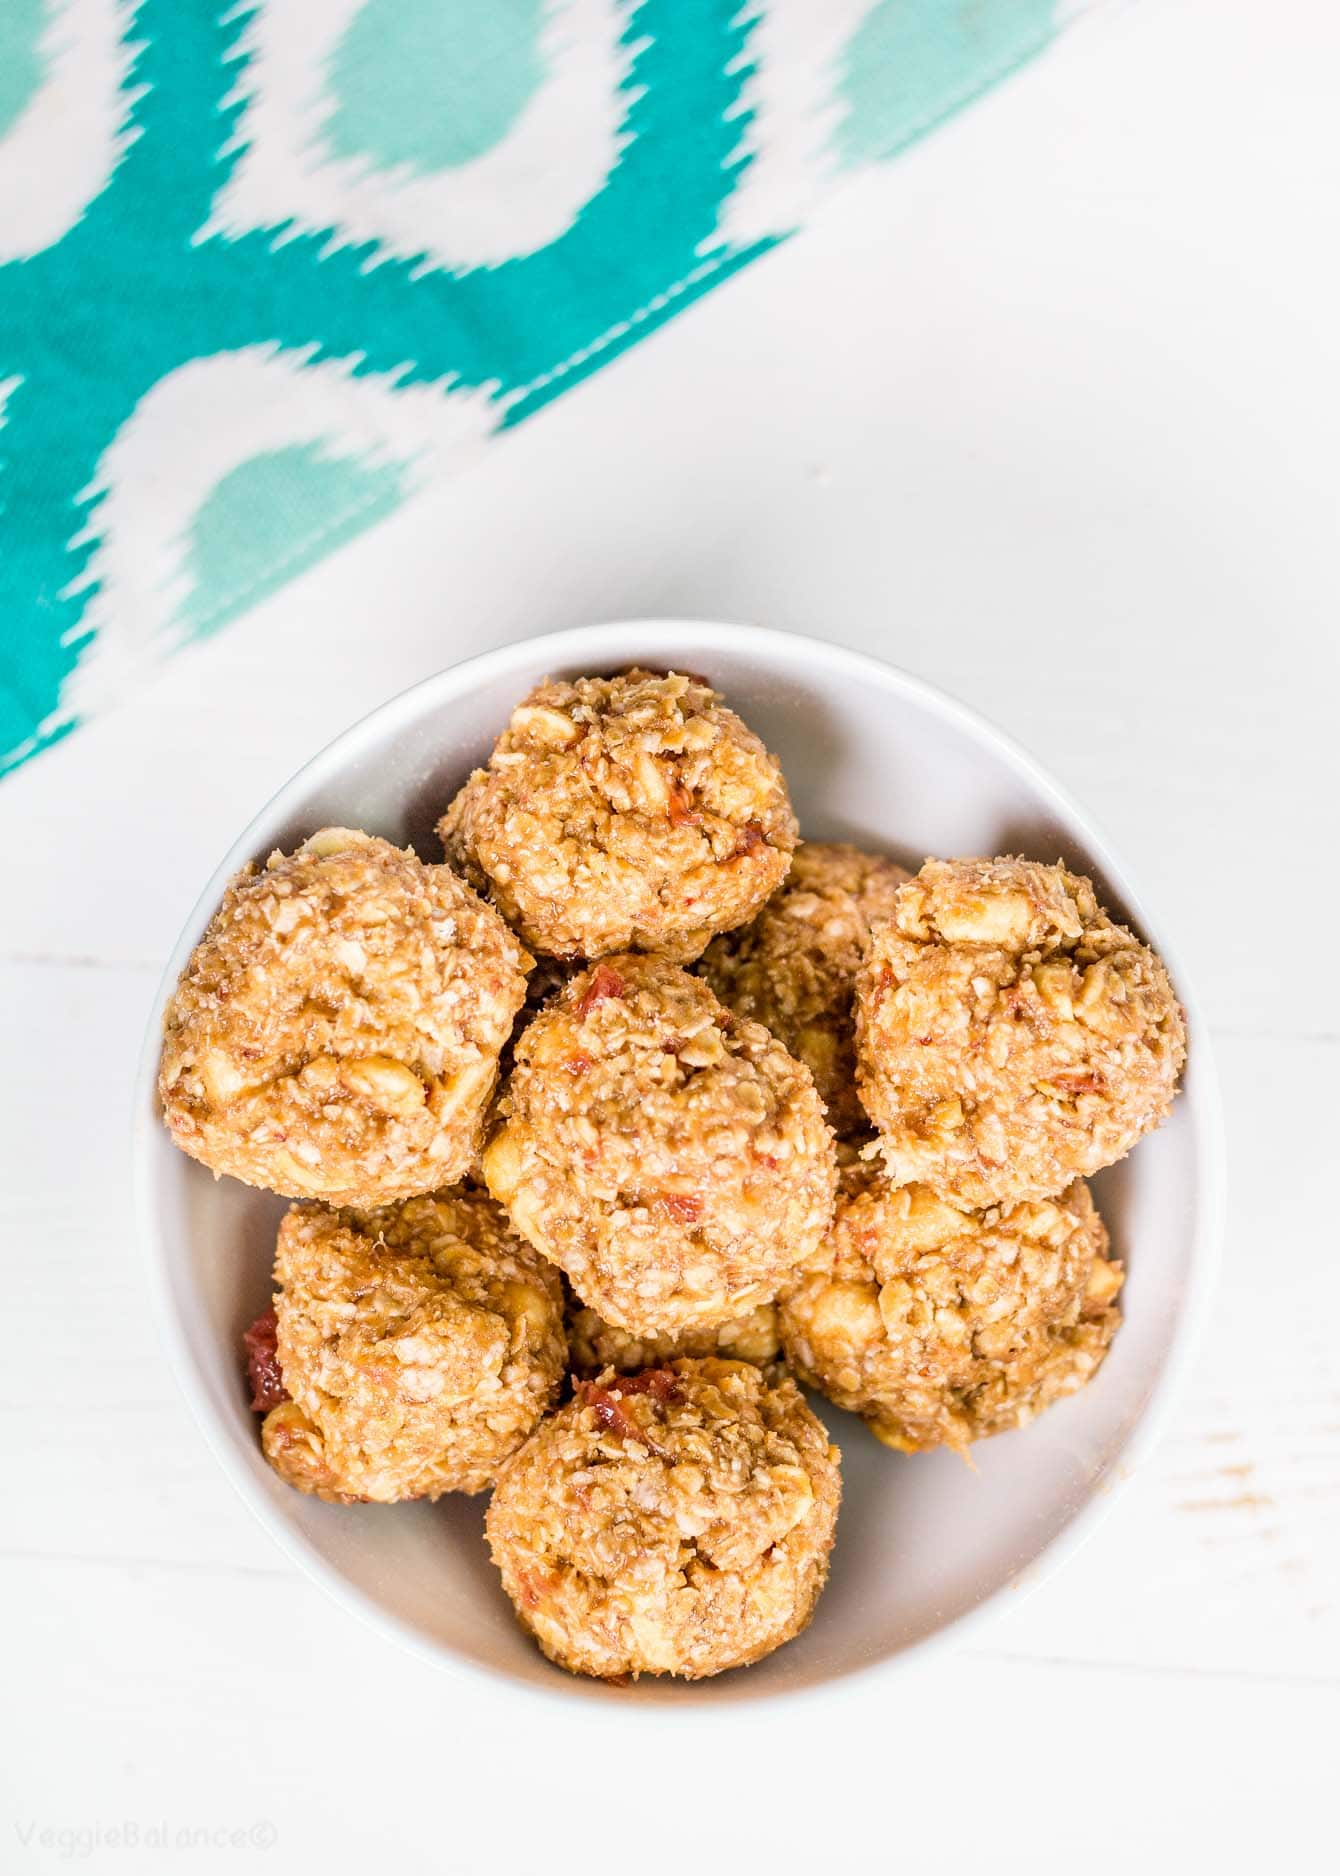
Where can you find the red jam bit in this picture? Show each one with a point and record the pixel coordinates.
(534, 1587)
(680, 808)
(662, 1384)
(608, 1410)
(607, 1403)
(579, 1063)
(749, 839)
(263, 1371)
(684, 1207)
(605, 982)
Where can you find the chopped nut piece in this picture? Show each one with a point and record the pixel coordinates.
(537, 723)
(329, 840)
(387, 1084)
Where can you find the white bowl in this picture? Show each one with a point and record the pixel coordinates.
(924, 1544)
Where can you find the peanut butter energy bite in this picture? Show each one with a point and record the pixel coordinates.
(673, 1522)
(673, 1160)
(417, 1345)
(594, 1344)
(336, 1032)
(940, 1325)
(793, 967)
(630, 813)
(1010, 1037)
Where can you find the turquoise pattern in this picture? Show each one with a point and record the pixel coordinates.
(266, 520)
(911, 61)
(21, 60)
(148, 296)
(432, 84)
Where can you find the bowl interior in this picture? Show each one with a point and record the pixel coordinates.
(872, 757)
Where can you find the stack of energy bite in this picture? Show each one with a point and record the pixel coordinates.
(768, 1109)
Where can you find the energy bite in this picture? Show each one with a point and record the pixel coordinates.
(939, 1325)
(594, 1344)
(413, 1348)
(673, 1522)
(671, 1159)
(1010, 1037)
(335, 1033)
(793, 967)
(633, 813)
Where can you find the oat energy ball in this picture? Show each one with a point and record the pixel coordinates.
(632, 813)
(673, 1160)
(940, 1325)
(336, 1032)
(1010, 1037)
(793, 967)
(419, 1344)
(594, 1344)
(673, 1522)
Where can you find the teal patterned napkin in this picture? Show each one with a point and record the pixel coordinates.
(265, 269)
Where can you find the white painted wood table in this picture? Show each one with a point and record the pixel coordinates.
(1047, 414)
